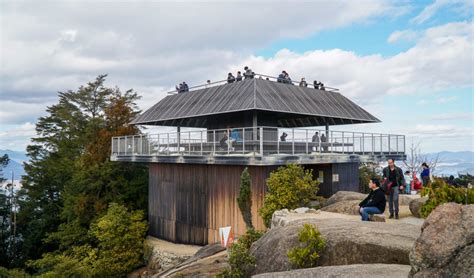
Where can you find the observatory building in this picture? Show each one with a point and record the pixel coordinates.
(194, 172)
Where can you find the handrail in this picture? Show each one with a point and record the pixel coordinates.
(257, 76)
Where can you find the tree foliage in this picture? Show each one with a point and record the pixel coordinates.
(312, 243)
(115, 248)
(289, 187)
(241, 262)
(439, 192)
(245, 198)
(70, 181)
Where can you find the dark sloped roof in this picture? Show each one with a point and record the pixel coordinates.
(255, 94)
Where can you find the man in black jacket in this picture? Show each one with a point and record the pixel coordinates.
(375, 202)
(394, 182)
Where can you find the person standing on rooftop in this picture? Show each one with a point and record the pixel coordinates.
(248, 74)
(303, 83)
(185, 87)
(230, 78)
(239, 76)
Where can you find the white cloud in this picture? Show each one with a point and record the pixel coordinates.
(18, 137)
(456, 116)
(461, 6)
(441, 59)
(407, 35)
(442, 100)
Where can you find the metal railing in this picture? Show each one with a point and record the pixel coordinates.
(257, 76)
(258, 141)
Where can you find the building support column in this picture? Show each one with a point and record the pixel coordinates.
(255, 131)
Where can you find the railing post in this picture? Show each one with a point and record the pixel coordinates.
(228, 142)
(373, 144)
(243, 140)
(278, 142)
(189, 143)
(261, 141)
(353, 142)
(214, 142)
(178, 139)
(381, 143)
(126, 145)
(332, 142)
(343, 142)
(397, 144)
(389, 152)
(133, 144)
(168, 142)
(293, 141)
(201, 142)
(306, 141)
(158, 137)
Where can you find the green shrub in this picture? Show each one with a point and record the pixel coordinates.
(241, 262)
(13, 273)
(366, 172)
(289, 187)
(439, 192)
(118, 238)
(245, 198)
(311, 244)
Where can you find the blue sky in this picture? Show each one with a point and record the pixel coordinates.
(410, 63)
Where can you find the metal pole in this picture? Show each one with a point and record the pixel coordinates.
(381, 143)
(353, 142)
(389, 144)
(179, 139)
(158, 137)
(343, 142)
(261, 141)
(278, 143)
(362, 144)
(243, 140)
(332, 148)
(292, 141)
(189, 143)
(168, 142)
(201, 142)
(133, 144)
(214, 142)
(306, 141)
(373, 143)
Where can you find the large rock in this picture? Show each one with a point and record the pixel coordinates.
(350, 207)
(208, 261)
(446, 245)
(345, 196)
(348, 241)
(164, 254)
(353, 270)
(415, 206)
(341, 196)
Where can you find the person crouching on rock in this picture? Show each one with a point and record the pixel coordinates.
(375, 202)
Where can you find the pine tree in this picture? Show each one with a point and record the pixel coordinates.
(245, 198)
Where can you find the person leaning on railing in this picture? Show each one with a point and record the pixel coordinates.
(230, 78)
(248, 74)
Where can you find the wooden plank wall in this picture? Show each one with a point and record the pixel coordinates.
(188, 203)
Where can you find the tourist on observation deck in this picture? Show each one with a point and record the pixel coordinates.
(230, 78)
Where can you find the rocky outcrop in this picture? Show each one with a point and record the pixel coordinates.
(350, 207)
(446, 245)
(347, 242)
(353, 270)
(415, 206)
(164, 255)
(282, 217)
(207, 264)
(345, 196)
(340, 196)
